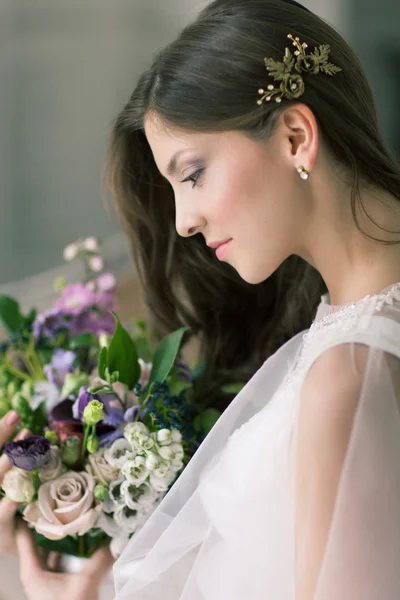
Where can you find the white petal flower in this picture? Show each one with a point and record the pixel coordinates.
(119, 452)
(47, 392)
(176, 435)
(152, 460)
(129, 519)
(115, 492)
(18, 485)
(96, 263)
(139, 437)
(162, 470)
(71, 252)
(135, 470)
(177, 464)
(141, 498)
(160, 484)
(164, 437)
(91, 244)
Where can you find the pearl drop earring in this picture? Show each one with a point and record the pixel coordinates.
(304, 174)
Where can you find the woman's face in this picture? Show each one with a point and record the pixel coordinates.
(228, 186)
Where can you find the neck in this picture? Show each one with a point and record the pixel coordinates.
(351, 264)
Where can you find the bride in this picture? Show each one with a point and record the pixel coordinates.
(255, 132)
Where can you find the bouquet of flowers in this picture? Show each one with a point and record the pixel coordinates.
(112, 415)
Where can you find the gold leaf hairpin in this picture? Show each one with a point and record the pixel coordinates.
(288, 72)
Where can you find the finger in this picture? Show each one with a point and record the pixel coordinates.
(5, 463)
(8, 425)
(29, 560)
(98, 565)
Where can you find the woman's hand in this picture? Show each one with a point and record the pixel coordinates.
(41, 584)
(8, 425)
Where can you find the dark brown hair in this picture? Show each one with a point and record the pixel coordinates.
(207, 80)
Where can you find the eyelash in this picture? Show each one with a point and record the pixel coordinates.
(193, 177)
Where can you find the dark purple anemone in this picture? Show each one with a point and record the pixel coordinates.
(30, 453)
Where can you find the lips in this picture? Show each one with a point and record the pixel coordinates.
(216, 245)
(223, 249)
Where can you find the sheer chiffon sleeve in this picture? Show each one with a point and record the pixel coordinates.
(347, 470)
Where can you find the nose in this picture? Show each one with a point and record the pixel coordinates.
(187, 225)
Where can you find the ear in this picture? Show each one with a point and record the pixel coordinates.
(300, 132)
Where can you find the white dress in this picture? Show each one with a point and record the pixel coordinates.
(226, 530)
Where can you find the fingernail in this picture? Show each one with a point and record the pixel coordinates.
(12, 417)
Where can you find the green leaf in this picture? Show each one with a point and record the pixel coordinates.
(102, 363)
(232, 388)
(165, 355)
(86, 340)
(122, 356)
(177, 386)
(67, 545)
(143, 348)
(10, 315)
(206, 420)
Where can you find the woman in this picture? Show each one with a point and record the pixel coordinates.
(257, 127)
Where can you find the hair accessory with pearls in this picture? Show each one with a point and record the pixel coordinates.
(288, 72)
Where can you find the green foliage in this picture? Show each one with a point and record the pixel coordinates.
(10, 315)
(165, 355)
(206, 420)
(122, 356)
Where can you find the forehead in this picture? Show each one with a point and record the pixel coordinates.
(165, 139)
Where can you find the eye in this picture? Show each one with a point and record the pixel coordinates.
(193, 177)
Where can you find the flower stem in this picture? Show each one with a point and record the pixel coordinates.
(81, 546)
(85, 439)
(17, 372)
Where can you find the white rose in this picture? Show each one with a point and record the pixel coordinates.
(135, 470)
(53, 467)
(100, 468)
(119, 452)
(18, 485)
(65, 506)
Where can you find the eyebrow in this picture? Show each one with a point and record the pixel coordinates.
(171, 167)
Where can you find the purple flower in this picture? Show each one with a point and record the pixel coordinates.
(93, 322)
(48, 323)
(30, 453)
(75, 298)
(113, 414)
(62, 362)
(130, 414)
(81, 402)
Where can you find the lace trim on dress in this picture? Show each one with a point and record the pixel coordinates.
(341, 320)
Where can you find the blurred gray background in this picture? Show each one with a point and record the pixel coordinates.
(66, 68)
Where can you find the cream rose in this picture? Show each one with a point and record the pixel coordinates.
(18, 485)
(65, 506)
(100, 469)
